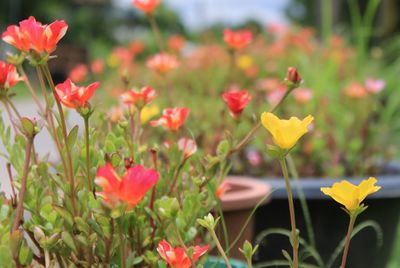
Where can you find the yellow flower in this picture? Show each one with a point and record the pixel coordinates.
(285, 132)
(350, 195)
(244, 62)
(148, 112)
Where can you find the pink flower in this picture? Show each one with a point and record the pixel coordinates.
(172, 118)
(162, 63)
(276, 95)
(8, 75)
(74, 96)
(236, 101)
(32, 35)
(238, 39)
(254, 157)
(375, 85)
(147, 6)
(140, 98)
(130, 189)
(302, 95)
(187, 146)
(78, 73)
(176, 257)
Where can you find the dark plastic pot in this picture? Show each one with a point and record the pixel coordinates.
(330, 222)
(214, 262)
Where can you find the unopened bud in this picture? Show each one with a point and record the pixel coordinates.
(293, 77)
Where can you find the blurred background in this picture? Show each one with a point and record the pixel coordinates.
(96, 25)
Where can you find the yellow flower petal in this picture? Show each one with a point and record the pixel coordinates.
(350, 195)
(285, 133)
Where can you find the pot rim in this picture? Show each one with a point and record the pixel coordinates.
(250, 193)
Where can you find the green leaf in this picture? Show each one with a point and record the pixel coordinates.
(72, 136)
(65, 214)
(223, 148)
(68, 240)
(25, 255)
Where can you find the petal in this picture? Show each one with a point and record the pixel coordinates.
(367, 187)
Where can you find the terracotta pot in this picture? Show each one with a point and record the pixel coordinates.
(237, 205)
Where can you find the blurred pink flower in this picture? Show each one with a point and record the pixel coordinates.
(375, 85)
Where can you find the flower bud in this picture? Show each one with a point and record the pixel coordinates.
(29, 127)
(293, 77)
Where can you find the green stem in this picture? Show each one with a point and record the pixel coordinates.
(122, 245)
(87, 142)
(224, 228)
(219, 247)
(348, 238)
(46, 71)
(22, 191)
(326, 10)
(294, 243)
(303, 202)
(156, 32)
(30, 88)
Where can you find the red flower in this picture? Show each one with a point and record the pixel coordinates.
(130, 189)
(176, 257)
(8, 75)
(187, 146)
(162, 62)
(32, 35)
(78, 73)
(172, 118)
(238, 39)
(141, 98)
(147, 6)
(236, 101)
(73, 96)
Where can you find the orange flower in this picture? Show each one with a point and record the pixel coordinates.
(238, 39)
(73, 96)
(222, 188)
(236, 101)
(78, 73)
(130, 189)
(356, 90)
(176, 257)
(187, 146)
(172, 118)
(97, 66)
(141, 98)
(162, 62)
(32, 35)
(147, 6)
(176, 43)
(8, 75)
(136, 47)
